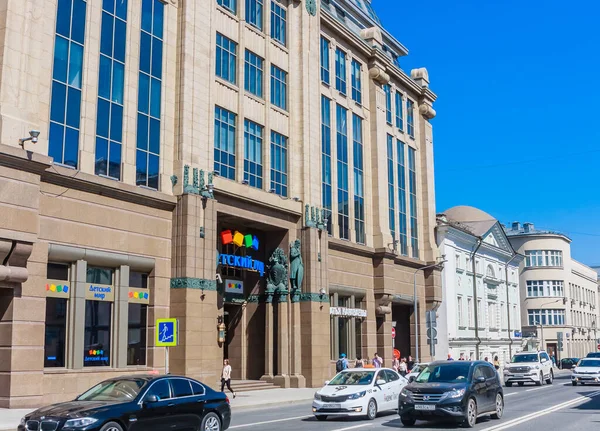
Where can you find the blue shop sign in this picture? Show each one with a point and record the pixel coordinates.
(244, 262)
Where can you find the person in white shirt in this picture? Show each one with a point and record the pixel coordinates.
(226, 377)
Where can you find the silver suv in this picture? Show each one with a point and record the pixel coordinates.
(532, 367)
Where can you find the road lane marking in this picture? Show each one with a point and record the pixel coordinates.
(363, 425)
(512, 393)
(537, 389)
(271, 422)
(544, 412)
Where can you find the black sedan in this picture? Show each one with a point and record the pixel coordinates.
(458, 390)
(137, 403)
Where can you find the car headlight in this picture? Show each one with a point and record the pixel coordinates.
(455, 393)
(405, 393)
(79, 422)
(23, 421)
(537, 367)
(506, 370)
(357, 396)
(317, 396)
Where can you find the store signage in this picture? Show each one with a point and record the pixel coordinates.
(100, 292)
(96, 356)
(347, 312)
(234, 286)
(139, 296)
(518, 334)
(57, 289)
(243, 262)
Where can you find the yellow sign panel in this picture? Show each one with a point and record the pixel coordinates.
(140, 296)
(58, 289)
(166, 332)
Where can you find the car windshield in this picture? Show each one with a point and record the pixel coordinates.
(352, 378)
(455, 372)
(589, 363)
(593, 355)
(525, 358)
(114, 390)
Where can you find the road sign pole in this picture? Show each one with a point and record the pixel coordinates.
(166, 360)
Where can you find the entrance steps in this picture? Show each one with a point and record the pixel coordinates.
(251, 385)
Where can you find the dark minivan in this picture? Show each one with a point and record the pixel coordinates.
(137, 403)
(460, 390)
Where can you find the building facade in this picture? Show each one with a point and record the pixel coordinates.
(559, 309)
(482, 321)
(263, 165)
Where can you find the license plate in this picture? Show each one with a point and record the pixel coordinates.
(332, 406)
(424, 407)
(519, 375)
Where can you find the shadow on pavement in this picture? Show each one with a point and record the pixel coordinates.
(439, 424)
(592, 403)
(351, 418)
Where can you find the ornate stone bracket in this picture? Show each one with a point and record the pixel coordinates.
(194, 283)
(382, 305)
(295, 295)
(427, 111)
(13, 260)
(198, 186)
(314, 297)
(282, 295)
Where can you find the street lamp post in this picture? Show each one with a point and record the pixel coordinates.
(439, 265)
(539, 322)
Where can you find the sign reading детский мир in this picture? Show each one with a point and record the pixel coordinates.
(243, 262)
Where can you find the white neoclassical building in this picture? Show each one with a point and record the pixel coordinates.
(478, 254)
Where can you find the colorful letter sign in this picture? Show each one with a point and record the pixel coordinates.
(239, 239)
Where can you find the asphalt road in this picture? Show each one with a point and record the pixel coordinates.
(559, 406)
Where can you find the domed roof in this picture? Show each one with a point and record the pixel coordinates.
(464, 213)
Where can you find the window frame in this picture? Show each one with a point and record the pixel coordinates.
(255, 14)
(279, 145)
(254, 135)
(226, 124)
(225, 52)
(226, 5)
(343, 195)
(325, 62)
(278, 14)
(279, 79)
(254, 74)
(356, 80)
(341, 71)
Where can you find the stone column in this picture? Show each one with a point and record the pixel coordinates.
(76, 322)
(297, 380)
(122, 316)
(282, 378)
(268, 376)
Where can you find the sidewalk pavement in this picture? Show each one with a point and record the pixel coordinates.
(10, 418)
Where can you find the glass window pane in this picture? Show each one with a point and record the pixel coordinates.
(118, 81)
(116, 123)
(154, 136)
(147, 15)
(144, 93)
(106, 35)
(153, 171)
(73, 107)
(55, 142)
(138, 279)
(108, 5)
(181, 388)
(59, 96)
(120, 39)
(75, 65)
(78, 21)
(145, 46)
(155, 99)
(160, 389)
(57, 271)
(114, 167)
(55, 332)
(103, 118)
(101, 165)
(157, 27)
(61, 55)
(98, 275)
(97, 334)
(142, 132)
(141, 162)
(121, 10)
(63, 18)
(104, 78)
(137, 336)
(157, 58)
(71, 147)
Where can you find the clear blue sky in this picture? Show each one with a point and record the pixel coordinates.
(517, 132)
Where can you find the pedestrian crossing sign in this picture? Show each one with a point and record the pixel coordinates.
(166, 332)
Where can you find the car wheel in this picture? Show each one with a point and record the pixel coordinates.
(521, 383)
(574, 383)
(111, 426)
(471, 414)
(408, 422)
(550, 378)
(321, 417)
(499, 407)
(508, 384)
(541, 381)
(211, 422)
(372, 410)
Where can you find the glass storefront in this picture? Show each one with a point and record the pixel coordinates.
(347, 316)
(98, 325)
(56, 332)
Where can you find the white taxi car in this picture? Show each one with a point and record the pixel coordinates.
(359, 392)
(586, 371)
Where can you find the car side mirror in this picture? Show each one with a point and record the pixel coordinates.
(150, 399)
(380, 382)
(574, 366)
(480, 379)
(411, 379)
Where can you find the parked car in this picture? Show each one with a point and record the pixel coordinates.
(137, 403)
(416, 369)
(568, 363)
(593, 355)
(460, 390)
(529, 367)
(587, 371)
(359, 392)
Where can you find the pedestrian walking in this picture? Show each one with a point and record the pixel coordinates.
(341, 363)
(450, 358)
(359, 362)
(226, 377)
(496, 362)
(403, 368)
(410, 363)
(396, 364)
(377, 360)
(462, 357)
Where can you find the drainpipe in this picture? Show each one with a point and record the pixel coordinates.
(508, 302)
(475, 301)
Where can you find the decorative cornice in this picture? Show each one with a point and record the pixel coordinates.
(194, 283)
(314, 297)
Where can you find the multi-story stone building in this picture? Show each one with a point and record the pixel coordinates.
(559, 295)
(485, 320)
(184, 148)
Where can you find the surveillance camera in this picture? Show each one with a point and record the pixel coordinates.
(322, 291)
(219, 279)
(34, 135)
